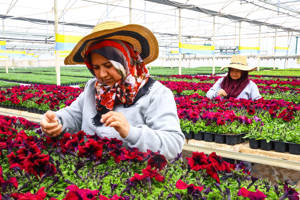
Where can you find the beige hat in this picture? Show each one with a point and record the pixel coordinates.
(141, 38)
(239, 62)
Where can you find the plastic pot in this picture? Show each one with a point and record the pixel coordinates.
(267, 146)
(280, 146)
(209, 137)
(198, 136)
(220, 138)
(254, 144)
(294, 148)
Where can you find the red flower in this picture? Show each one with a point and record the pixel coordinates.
(91, 149)
(134, 154)
(219, 163)
(38, 165)
(153, 173)
(220, 121)
(243, 192)
(198, 161)
(80, 194)
(181, 185)
(157, 161)
(2, 98)
(40, 195)
(258, 195)
(15, 161)
(118, 154)
(211, 170)
(272, 113)
(191, 187)
(251, 110)
(147, 172)
(137, 177)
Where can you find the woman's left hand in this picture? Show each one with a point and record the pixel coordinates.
(118, 121)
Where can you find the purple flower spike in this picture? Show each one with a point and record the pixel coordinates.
(208, 190)
(178, 196)
(257, 119)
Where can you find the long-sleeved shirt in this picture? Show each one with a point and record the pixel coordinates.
(250, 91)
(153, 119)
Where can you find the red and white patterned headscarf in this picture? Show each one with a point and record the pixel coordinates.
(128, 63)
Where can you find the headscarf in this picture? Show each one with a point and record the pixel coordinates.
(129, 64)
(234, 87)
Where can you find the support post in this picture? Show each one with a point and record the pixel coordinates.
(130, 11)
(179, 40)
(57, 64)
(213, 43)
(286, 60)
(240, 30)
(274, 53)
(258, 56)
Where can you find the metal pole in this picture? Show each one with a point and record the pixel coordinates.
(258, 57)
(286, 60)
(235, 34)
(57, 64)
(130, 11)
(213, 43)
(179, 39)
(275, 36)
(240, 30)
(145, 12)
(296, 49)
(6, 61)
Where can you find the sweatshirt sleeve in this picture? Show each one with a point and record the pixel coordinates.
(161, 131)
(254, 93)
(71, 117)
(213, 91)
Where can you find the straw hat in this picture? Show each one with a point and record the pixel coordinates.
(239, 62)
(141, 38)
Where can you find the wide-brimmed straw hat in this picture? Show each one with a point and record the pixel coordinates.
(239, 62)
(141, 38)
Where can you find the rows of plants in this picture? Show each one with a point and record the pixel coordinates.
(41, 78)
(262, 120)
(288, 90)
(38, 98)
(278, 72)
(265, 120)
(79, 166)
(7, 84)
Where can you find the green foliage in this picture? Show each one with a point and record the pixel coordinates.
(156, 70)
(278, 72)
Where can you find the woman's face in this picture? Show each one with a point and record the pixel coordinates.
(104, 70)
(235, 74)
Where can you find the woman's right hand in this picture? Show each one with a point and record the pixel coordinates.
(222, 93)
(50, 124)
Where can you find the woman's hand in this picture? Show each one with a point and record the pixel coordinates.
(118, 121)
(222, 93)
(50, 125)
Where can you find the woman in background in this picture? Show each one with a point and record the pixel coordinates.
(236, 84)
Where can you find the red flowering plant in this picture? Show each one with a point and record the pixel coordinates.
(270, 127)
(80, 166)
(36, 98)
(224, 122)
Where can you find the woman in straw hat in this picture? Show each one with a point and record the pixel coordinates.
(122, 101)
(236, 84)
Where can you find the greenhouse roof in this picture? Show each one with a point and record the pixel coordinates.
(29, 25)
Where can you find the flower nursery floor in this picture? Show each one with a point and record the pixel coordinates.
(268, 164)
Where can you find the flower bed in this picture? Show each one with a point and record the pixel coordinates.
(196, 112)
(76, 166)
